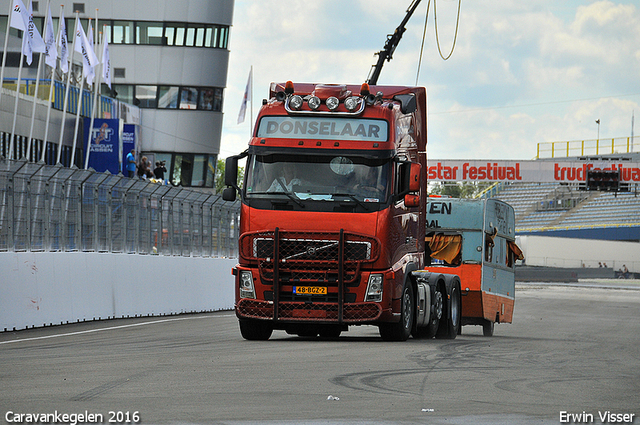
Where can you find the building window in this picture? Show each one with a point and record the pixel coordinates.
(146, 95)
(189, 170)
(150, 33)
(188, 98)
(123, 92)
(78, 7)
(119, 72)
(167, 97)
(122, 32)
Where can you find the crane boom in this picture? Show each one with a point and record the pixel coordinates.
(390, 45)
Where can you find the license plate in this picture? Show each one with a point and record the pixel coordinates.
(310, 290)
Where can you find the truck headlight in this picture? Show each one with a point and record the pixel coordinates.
(295, 102)
(247, 289)
(351, 103)
(332, 103)
(374, 287)
(314, 102)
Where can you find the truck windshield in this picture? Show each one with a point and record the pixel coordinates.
(318, 177)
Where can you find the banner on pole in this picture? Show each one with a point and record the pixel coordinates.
(104, 144)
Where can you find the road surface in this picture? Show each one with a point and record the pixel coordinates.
(570, 351)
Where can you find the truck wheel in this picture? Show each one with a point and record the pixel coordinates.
(449, 327)
(254, 330)
(400, 331)
(487, 328)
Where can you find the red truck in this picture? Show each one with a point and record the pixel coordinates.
(333, 216)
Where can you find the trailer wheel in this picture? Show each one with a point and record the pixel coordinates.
(487, 328)
(254, 330)
(451, 324)
(400, 331)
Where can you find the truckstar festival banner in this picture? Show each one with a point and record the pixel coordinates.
(527, 171)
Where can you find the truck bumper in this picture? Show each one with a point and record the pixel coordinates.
(318, 312)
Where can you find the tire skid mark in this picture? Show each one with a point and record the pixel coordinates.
(105, 388)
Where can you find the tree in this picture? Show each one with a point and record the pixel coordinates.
(220, 166)
(459, 189)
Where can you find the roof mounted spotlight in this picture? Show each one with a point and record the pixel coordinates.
(314, 102)
(296, 101)
(332, 103)
(351, 103)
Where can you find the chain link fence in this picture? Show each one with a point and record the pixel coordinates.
(54, 208)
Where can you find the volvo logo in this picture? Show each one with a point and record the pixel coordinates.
(311, 250)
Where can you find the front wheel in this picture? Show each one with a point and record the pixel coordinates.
(255, 330)
(400, 331)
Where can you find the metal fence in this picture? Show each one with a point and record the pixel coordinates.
(54, 208)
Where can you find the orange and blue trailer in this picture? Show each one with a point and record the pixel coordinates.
(474, 239)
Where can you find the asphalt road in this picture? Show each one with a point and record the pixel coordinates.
(570, 349)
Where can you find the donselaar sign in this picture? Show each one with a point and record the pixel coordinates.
(527, 171)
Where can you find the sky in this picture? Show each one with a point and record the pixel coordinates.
(521, 72)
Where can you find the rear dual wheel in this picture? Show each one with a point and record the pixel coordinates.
(450, 326)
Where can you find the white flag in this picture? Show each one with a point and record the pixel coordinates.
(50, 43)
(106, 62)
(64, 46)
(31, 39)
(81, 45)
(92, 72)
(247, 98)
(19, 16)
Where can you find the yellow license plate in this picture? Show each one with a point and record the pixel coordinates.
(310, 290)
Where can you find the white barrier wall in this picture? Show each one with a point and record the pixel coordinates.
(49, 288)
(550, 251)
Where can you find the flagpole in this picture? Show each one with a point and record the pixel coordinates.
(33, 109)
(93, 109)
(35, 94)
(251, 105)
(15, 105)
(81, 93)
(6, 44)
(51, 90)
(66, 95)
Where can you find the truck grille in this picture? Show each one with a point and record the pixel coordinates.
(309, 257)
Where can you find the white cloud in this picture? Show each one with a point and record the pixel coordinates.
(521, 73)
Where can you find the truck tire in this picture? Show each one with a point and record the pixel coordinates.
(255, 330)
(400, 331)
(450, 326)
(487, 328)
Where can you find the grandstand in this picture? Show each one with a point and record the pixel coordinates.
(567, 210)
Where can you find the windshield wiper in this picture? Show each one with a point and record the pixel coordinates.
(352, 197)
(291, 196)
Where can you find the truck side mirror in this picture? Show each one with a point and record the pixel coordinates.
(231, 172)
(229, 194)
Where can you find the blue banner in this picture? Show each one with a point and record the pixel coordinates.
(105, 144)
(128, 143)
